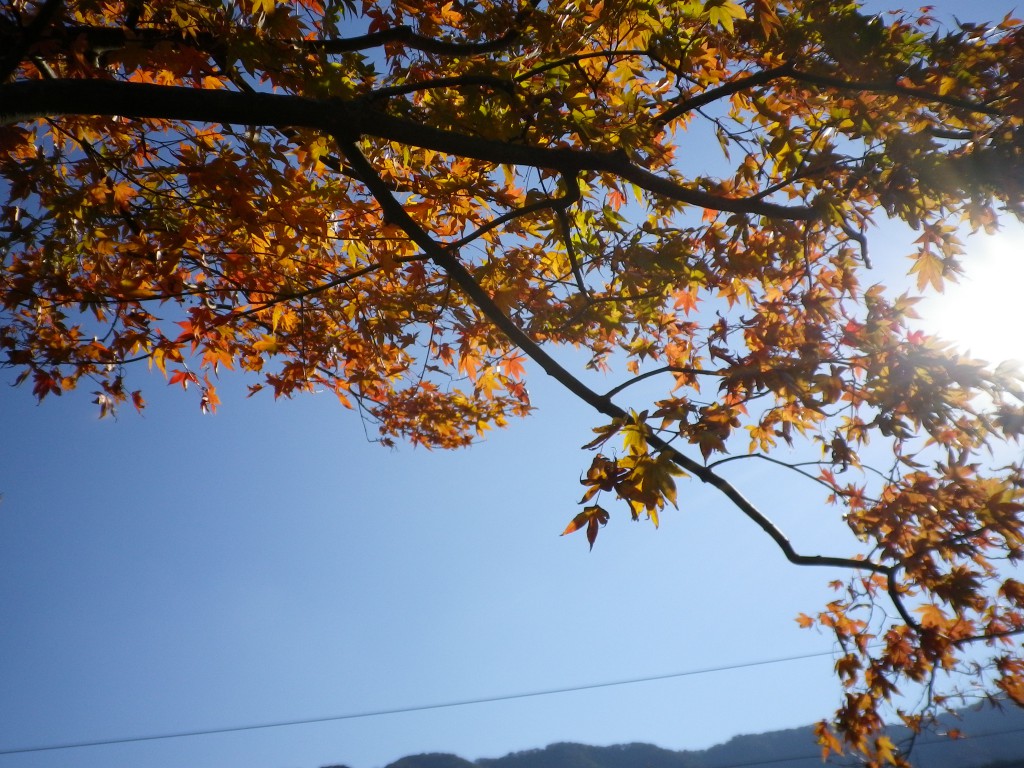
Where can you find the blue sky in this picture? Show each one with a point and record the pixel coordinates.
(178, 571)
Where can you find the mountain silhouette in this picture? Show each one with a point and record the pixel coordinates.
(992, 738)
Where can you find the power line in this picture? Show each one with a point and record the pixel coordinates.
(405, 710)
(487, 700)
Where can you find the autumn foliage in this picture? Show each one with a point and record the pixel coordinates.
(407, 203)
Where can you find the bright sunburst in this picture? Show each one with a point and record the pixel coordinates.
(984, 313)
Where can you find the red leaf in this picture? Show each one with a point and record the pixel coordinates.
(44, 384)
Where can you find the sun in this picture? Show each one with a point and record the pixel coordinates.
(983, 314)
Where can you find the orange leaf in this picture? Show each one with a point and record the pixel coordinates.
(593, 517)
(932, 616)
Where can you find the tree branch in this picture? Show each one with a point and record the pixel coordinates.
(657, 372)
(404, 34)
(572, 194)
(713, 94)
(895, 89)
(36, 99)
(789, 70)
(498, 83)
(892, 588)
(544, 204)
(446, 260)
(106, 39)
(989, 636)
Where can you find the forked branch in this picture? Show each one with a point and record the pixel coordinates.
(447, 260)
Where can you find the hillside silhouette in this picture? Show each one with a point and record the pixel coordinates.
(992, 738)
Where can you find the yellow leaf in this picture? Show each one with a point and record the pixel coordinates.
(157, 358)
(722, 13)
(829, 743)
(268, 343)
(886, 749)
(275, 317)
(929, 269)
(634, 434)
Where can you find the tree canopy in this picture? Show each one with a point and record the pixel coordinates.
(409, 203)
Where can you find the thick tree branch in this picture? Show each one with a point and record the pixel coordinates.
(106, 39)
(36, 99)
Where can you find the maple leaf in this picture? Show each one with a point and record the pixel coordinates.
(263, 6)
(513, 366)
(724, 12)
(634, 435)
(209, 401)
(122, 193)
(1013, 590)
(593, 518)
(1014, 688)
(930, 270)
(182, 377)
(886, 750)
(829, 743)
(932, 616)
(268, 343)
(45, 384)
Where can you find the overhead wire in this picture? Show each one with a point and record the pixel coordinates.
(408, 709)
(469, 702)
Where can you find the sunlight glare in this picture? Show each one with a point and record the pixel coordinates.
(983, 314)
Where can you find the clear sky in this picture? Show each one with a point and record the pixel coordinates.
(178, 571)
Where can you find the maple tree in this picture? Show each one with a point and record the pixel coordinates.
(406, 202)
